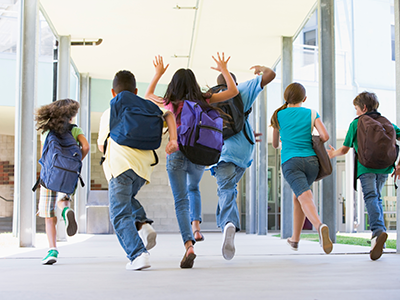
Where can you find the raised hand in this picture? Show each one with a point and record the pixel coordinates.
(159, 65)
(221, 62)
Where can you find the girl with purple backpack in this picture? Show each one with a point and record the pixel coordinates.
(184, 175)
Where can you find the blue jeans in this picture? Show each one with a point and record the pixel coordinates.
(184, 177)
(125, 211)
(372, 185)
(228, 175)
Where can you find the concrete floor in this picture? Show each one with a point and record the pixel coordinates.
(93, 267)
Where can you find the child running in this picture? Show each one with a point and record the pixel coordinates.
(292, 123)
(58, 116)
(184, 175)
(372, 180)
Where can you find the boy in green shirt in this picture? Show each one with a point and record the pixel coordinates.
(372, 180)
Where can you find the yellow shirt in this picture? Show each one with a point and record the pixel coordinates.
(122, 158)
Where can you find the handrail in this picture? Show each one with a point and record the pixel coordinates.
(4, 199)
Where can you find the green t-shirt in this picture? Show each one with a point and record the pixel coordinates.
(75, 132)
(351, 141)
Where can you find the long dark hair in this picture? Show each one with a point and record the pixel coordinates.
(183, 86)
(294, 93)
(56, 115)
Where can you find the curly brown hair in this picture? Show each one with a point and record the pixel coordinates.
(56, 115)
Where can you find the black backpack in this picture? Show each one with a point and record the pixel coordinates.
(235, 116)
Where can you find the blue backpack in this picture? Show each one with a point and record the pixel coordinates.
(200, 136)
(135, 122)
(61, 163)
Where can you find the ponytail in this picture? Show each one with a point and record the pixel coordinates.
(274, 118)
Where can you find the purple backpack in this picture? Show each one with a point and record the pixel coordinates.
(200, 135)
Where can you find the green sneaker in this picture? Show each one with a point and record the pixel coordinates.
(69, 219)
(51, 257)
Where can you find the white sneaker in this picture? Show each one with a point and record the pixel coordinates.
(148, 236)
(139, 263)
(228, 241)
(377, 244)
(324, 239)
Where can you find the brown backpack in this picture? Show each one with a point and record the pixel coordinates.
(376, 136)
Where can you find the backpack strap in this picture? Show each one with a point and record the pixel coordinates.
(246, 116)
(156, 158)
(103, 158)
(35, 187)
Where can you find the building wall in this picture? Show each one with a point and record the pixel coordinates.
(156, 197)
(6, 174)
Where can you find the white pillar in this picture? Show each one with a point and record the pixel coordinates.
(24, 224)
(397, 54)
(350, 194)
(84, 123)
(64, 67)
(63, 90)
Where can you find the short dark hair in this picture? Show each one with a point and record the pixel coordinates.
(370, 100)
(124, 81)
(221, 79)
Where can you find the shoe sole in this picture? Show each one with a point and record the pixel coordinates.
(326, 242)
(228, 247)
(293, 248)
(50, 261)
(151, 240)
(72, 227)
(188, 262)
(376, 253)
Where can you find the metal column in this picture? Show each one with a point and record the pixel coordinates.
(251, 189)
(286, 191)
(24, 225)
(263, 165)
(327, 88)
(84, 123)
(397, 53)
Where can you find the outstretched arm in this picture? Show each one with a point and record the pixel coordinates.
(231, 90)
(332, 152)
(267, 74)
(160, 70)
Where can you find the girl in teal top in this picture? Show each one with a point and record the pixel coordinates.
(300, 166)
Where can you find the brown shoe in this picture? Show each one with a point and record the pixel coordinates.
(188, 259)
(293, 245)
(201, 236)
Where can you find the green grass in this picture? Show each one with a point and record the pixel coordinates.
(347, 240)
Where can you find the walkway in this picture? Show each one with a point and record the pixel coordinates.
(93, 267)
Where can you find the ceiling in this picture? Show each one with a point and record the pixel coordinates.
(134, 31)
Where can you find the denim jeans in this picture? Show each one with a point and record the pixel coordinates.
(228, 175)
(184, 177)
(300, 173)
(125, 211)
(372, 185)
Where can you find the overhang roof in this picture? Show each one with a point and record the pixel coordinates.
(134, 31)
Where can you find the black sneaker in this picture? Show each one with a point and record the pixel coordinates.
(377, 242)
